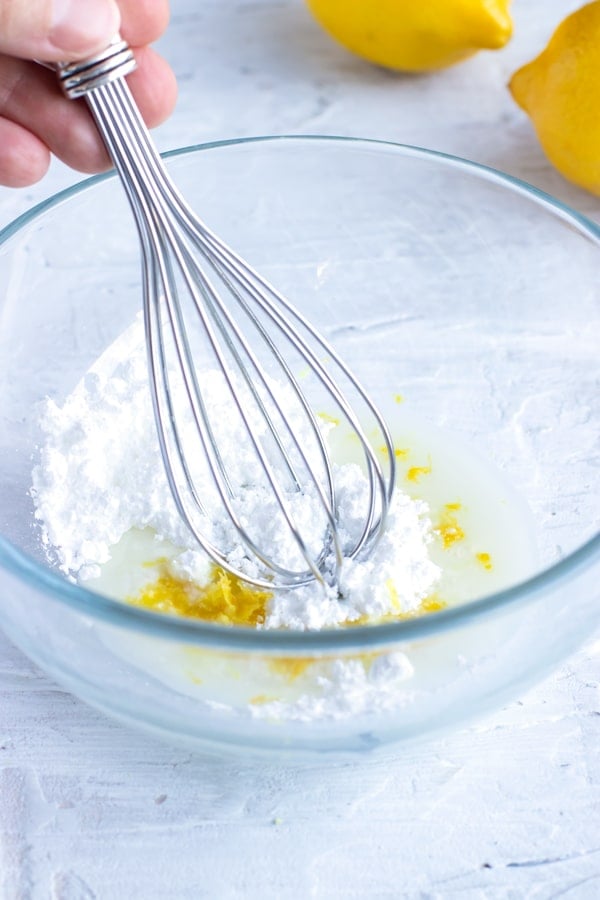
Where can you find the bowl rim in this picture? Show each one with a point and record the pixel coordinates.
(115, 612)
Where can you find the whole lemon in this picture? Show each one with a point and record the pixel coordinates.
(415, 35)
(560, 90)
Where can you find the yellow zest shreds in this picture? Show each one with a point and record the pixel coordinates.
(261, 699)
(428, 605)
(399, 452)
(432, 604)
(415, 473)
(160, 562)
(225, 599)
(448, 527)
(486, 560)
(398, 398)
(291, 667)
(393, 592)
(332, 420)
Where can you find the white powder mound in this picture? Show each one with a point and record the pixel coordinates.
(349, 688)
(100, 474)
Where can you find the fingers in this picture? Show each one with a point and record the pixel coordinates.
(24, 159)
(54, 30)
(57, 29)
(29, 97)
(143, 21)
(154, 86)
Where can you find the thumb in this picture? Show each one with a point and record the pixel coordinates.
(54, 30)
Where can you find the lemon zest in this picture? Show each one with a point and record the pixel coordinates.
(415, 473)
(225, 599)
(448, 527)
(486, 560)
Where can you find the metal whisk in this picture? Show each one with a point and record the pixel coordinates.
(198, 293)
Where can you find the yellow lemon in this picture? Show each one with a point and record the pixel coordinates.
(560, 91)
(415, 35)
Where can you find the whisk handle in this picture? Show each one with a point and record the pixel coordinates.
(78, 78)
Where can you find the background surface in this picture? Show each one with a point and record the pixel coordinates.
(509, 808)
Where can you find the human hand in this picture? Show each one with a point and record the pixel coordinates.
(35, 119)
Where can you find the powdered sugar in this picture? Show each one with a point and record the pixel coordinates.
(348, 687)
(100, 475)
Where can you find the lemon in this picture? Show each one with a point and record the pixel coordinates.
(415, 35)
(560, 91)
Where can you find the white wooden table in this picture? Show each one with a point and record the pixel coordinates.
(507, 809)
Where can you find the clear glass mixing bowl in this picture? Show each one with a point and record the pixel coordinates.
(473, 294)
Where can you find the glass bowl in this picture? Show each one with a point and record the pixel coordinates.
(471, 296)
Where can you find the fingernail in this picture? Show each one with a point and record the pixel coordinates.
(80, 28)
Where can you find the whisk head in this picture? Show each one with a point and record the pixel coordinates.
(244, 390)
(244, 431)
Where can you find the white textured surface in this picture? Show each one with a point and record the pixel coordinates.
(506, 809)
